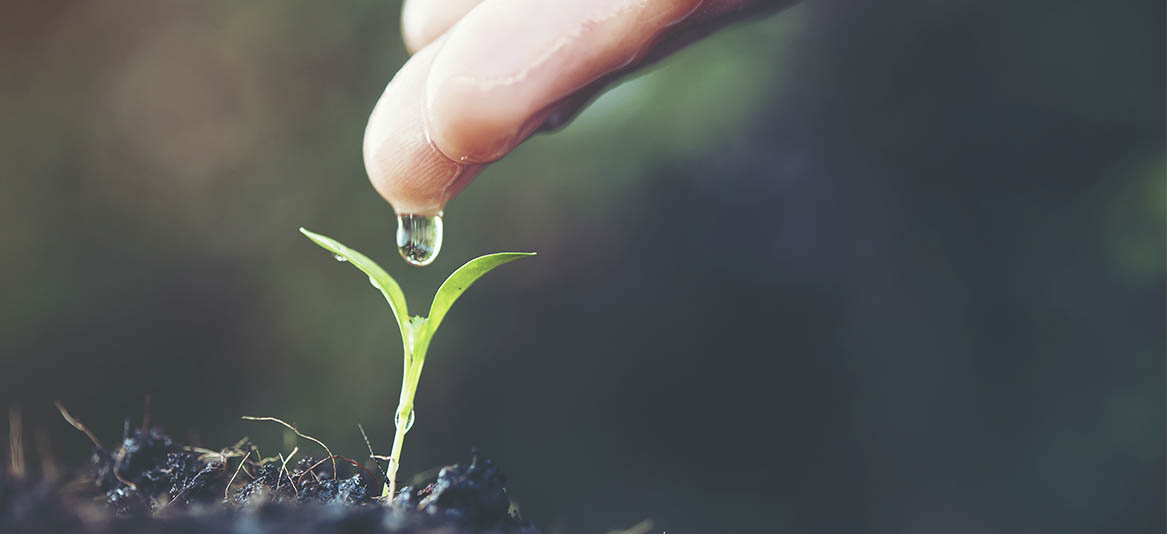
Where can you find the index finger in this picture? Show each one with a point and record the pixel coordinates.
(498, 74)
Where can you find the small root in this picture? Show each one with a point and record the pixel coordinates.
(374, 456)
(314, 466)
(227, 490)
(49, 468)
(334, 458)
(77, 424)
(15, 443)
(188, 485)
(376, 476)
(284, 470)
(146, 415)
(643, 527)
(238, 446)
(89, 433)
(298, 433)
(117, 467)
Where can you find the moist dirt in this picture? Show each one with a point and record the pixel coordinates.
(152, 484)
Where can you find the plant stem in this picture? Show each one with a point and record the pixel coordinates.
(403, 417)
(395, 456)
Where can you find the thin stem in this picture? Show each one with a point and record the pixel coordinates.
(404, 414)
(395, 459)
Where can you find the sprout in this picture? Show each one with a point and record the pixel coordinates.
(416, 331)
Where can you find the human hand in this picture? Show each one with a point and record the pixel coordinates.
(486, 74)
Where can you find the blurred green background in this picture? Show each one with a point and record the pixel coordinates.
(886, 268)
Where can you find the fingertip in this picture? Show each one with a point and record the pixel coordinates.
(402, 163)
(424, 21)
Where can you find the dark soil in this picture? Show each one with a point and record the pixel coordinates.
(150, 484)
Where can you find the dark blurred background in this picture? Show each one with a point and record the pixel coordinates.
(887, 268)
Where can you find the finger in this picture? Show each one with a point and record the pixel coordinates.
(711, 15)
(423, 21)
(500, 73)
(505, 65)
(402, 163)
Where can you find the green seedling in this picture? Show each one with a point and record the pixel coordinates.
(416, 331)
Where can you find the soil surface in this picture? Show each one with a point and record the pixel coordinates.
(151, 484)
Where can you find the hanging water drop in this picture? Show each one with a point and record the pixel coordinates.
(339, 258)
(419, 238)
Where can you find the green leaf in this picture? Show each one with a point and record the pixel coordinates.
(416, 332)
(377, 276)
(462, 279)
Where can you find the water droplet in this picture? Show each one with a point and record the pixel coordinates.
(374, 283)
(419, 238)
(338, 257)
(409, 424)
